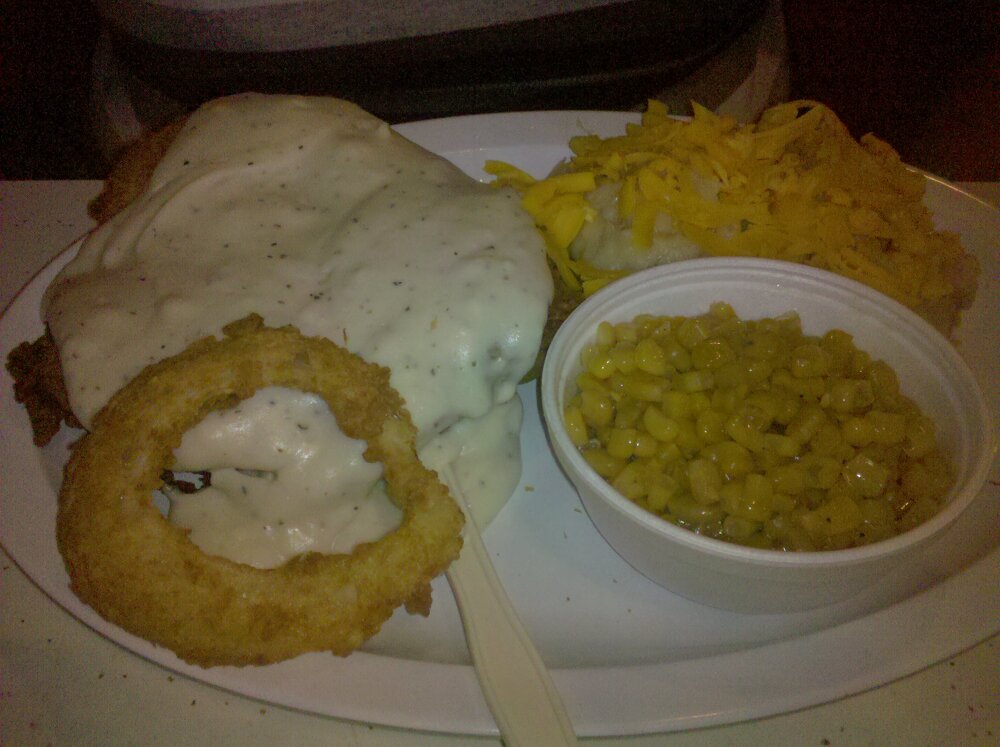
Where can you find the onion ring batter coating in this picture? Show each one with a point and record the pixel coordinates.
(142, 573)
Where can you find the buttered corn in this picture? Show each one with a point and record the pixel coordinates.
(754, 433)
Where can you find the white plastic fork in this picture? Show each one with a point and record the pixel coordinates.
(516, 684)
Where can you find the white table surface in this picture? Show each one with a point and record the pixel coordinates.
(63, 684)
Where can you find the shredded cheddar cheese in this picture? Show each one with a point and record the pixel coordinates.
(794, 186)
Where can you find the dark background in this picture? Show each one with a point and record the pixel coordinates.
(923, 75)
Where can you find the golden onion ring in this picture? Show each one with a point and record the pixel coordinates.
(141, 572)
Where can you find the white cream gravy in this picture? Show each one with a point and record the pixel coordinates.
(311, 212)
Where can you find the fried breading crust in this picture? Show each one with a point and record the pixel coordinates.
(132, 171)
(564, 300)
(39, 386)
(142, 573)
(35, 366)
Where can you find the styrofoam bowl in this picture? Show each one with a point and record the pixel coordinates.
(729, 576)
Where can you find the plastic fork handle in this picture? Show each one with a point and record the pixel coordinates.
(515, 682)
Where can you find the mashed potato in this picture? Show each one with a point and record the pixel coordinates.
(794, 186)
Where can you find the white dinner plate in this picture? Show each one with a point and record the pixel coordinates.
(627, 656)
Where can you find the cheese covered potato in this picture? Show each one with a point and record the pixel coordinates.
(794, 186)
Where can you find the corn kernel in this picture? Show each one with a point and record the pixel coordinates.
(733, 460)
(731, 375)
(687, 439)
(878, 515)
(858, 431)
(710, 426)
(755, 500)
(669, 454)
(727, 399)
(661, 426)
(627, 332)
(621, 445)
(783, 446)
(809, 361)
(820, 472)
(807, 421)
(601, 364)
(629, 482)
(866, 476)
(628, 413)
(576, 428)
(858, 364)
(676, 354)
(828, 441)
(597, 408)
(650, 357)
(711, 353)
(738, 528)
(743, 432)
(646, 446)
(587, 381)
(767, 401)
(840, 514)
(884, 381)
(700, 401)
(678, 405)
(848, 395)
(783, 503)
(606, 334)
(644, 386)
(811, 387)
(616, 384)
(789, 478)
(660, 493)
(721, 310)
(603, 463)
(692, 331)
(690, 511)
(623, 358)
(694, 381)
(705, 480)
(764, 345)
(887, 427)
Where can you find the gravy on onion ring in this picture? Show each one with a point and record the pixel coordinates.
(142, 573)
